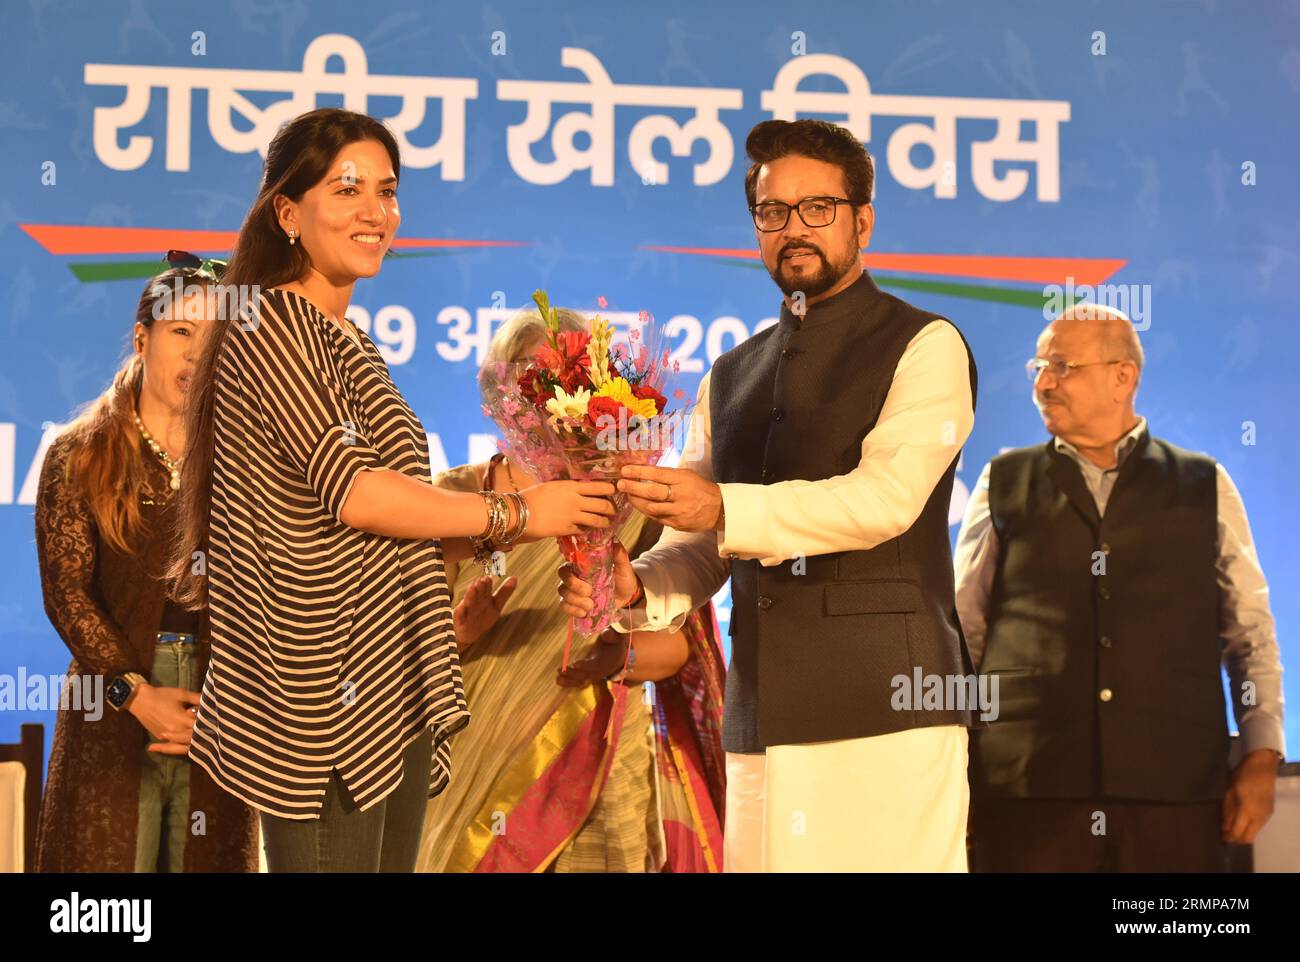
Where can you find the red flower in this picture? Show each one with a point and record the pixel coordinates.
(601, 405)
(548, 358)
(643, 391)
(577, 376)
(568, 361)
(573, 344)
(534, 390)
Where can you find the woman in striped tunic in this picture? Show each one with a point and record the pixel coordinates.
(312, 530)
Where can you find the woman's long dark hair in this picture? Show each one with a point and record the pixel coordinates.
(298, 158)
(106, 460)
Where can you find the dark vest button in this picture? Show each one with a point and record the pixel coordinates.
(1105, 593)
(778, 414)
(787, 353)
(1105, 641)
(764, 601)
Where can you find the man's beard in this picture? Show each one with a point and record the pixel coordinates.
(818, 282)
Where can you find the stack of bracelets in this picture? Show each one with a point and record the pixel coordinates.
(499, 533)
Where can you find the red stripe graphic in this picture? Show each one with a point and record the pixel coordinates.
(1035, 270)
(75, 239)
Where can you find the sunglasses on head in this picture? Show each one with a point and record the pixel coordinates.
(211, 267)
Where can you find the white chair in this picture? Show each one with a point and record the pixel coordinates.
(22, 766)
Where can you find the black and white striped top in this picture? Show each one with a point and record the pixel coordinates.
(332, 648)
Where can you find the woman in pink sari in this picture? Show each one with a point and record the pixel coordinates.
(592, 769)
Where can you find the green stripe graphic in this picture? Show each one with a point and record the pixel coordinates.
(96, 271)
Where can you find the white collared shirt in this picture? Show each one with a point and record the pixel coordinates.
(1101, 481)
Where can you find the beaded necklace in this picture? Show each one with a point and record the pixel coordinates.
(173, 465)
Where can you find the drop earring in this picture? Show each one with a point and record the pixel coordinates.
(293, 234)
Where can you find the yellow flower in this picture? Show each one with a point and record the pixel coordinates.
(618, 389)
(568, 405)
(598, 350)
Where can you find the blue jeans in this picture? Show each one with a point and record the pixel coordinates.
(165, 779)
(383, 838)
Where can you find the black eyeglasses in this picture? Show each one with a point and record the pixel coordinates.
(204, 266)
(813, 211)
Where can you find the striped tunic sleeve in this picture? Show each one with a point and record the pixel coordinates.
(302, 403)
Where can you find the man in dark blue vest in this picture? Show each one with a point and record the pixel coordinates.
(817, 476)
(1102, 579)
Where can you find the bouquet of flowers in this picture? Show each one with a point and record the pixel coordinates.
(585, 404)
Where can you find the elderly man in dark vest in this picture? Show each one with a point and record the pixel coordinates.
(1102, 578)
(817, 476)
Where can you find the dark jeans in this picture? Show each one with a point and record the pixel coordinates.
(383, 838)
(1095, 835)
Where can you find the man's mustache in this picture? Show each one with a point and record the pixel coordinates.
(792, 248)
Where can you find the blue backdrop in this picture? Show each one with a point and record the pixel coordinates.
(1148, 147)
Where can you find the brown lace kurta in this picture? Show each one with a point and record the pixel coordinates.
(106, 606)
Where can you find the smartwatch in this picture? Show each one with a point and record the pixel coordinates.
(121, 688)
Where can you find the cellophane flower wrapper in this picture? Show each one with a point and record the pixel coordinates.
(557, 443)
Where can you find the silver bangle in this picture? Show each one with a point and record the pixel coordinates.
(497, 516)
(507, 531)
(525, 514)
(487, 530)
(502, 516)
(521, 518)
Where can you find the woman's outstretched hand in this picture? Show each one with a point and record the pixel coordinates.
(558, 508)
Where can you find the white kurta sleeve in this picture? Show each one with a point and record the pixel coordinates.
(975, 563)
(926, 418)
(684, 569)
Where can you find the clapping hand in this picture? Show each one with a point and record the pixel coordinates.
(480, 609)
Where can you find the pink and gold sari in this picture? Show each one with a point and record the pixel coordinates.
(539, 773)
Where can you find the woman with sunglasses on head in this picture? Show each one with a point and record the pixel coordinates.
(311, 526)
(121, 795)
